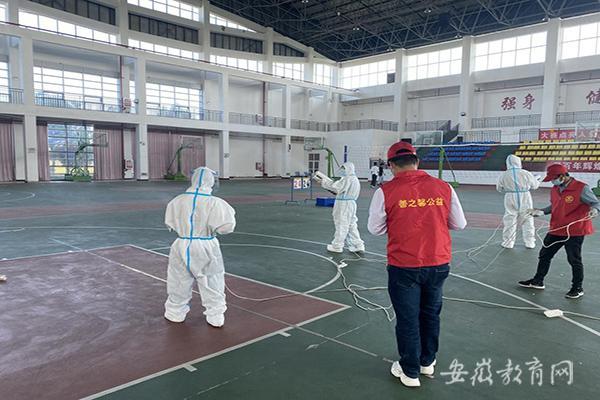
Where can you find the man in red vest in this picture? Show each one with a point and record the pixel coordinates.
(573, 205)
(416, 211)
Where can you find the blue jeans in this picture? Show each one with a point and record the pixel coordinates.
(416, 295)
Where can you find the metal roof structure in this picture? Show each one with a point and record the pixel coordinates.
(347, 29)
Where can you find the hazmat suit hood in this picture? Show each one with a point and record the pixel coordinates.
(203, 179)
(513, 161)
(349, 167)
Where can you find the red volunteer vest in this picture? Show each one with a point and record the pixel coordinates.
(566, 208)
(417, 207)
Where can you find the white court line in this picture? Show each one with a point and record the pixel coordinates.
(62, 252)
(307, 293)
(576, 323)
(190, 368)
(178, 367)
(284, 334)
(188, 363)
(31, 195)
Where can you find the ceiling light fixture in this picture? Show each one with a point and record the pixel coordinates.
(428, 10)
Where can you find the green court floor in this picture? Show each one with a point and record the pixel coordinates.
(346, 355)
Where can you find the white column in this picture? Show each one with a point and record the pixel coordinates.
(286, 151)
(551, 75)
(123, 22)
(205, 30)
(465, 106)
(124, 79)
(269, 38)
(140, 85)
(142, 167)
(400, 91)
(31, 149)
(14, 62)
(337, 75)
(224, 99)
(12, 14)
(224, 154)
(26, 71)
(309, 65)
(288, 107)
(19, 141)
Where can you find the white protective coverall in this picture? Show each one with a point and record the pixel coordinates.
(516, 184)
(197, 217)
(347, 190)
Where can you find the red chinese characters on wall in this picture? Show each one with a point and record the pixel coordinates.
(593, 97)
(510, 103)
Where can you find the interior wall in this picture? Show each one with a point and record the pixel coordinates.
(573, 96)
(489, 103)
(433, 109)
(245, 153)
(245, 99)
(383, 111)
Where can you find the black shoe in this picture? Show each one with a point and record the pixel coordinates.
(531, 284)
(574, 293)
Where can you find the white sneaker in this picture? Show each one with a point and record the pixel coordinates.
(216, 321)
(507, 246)
(429, 370)
(334, 249)
(406, 381)
(529, 246)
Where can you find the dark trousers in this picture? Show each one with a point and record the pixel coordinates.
(373, 180)
(573, 249)
(416, 295)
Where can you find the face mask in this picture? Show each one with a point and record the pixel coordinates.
(557, 182)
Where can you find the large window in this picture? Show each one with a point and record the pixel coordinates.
(289, 70)
(63, 28)
(216, 20)
(280, 49)
(510, 52)
(172, 7)
(581, 41)
(87, 91)
(84, 8)
(161, 98)
(242, 63)
(364, 75)
(323, 74)
(161, 28)
(2, 12)
(166, 50)
(229, 42)
(4, 83)
(63, 143)
(435, 64)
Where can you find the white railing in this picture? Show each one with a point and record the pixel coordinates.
(507, 121)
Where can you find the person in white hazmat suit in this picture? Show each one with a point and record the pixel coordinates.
(516, 183)
(197, 217)
(346, 190)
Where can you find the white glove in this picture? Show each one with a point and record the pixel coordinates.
(534, 212)
(538, 178)
(593, 213)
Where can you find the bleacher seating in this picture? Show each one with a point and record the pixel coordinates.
(476, 152)
(558, 151)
